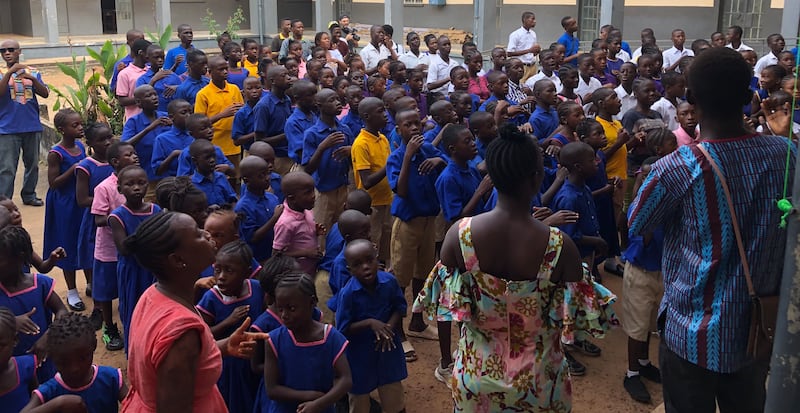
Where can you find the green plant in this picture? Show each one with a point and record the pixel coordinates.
(211, 23)
(108, 56)
(232, 27)
(83, 98)
(161, 39)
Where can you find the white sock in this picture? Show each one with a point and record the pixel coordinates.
(73, 297)
(631, 373)
(644, 363)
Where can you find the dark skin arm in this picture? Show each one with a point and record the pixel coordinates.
(405, 169)
(55, 179)
(599, 244)
(68, 403)
(165, 165)
(163, 121)
(233, 320)
(118, 232)
(438, 83)
(262, 232)
(245, 139)
(176, 374)
(622, 139)
(371, 179)
(126, 100)
(45, 266)
(335, 138)
(561, 175)
(272, 140)
(82, 189)
(483, 188)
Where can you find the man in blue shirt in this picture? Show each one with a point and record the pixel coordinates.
(259, 209)
(271, 113)
(176, 57)
(215, 184)
(130, 37)
(20, 129)
(197, 64)
(570, 42)
(169, 144)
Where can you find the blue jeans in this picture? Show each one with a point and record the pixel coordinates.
(10, 146)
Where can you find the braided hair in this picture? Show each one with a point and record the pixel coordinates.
(15, 242)
(70, 328)
(514, 156)
(60, 118)
(273, 271)
(586, 126)
(8, 321)
(238, 249)
(184, 191)
(153, 241)
(299, 280)
(164, 190)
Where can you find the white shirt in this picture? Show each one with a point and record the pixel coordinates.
(522, 39)
(371, 56)
(742, 47)
(332, 65)
(672, 55)
(411, 60)
(539, 76)
(584, 88)
(398, 48)
(668, 111)
(624, 56)
(439, 70)
(627, 99)
(767, 60)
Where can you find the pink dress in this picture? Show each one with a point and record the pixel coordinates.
(157, 322)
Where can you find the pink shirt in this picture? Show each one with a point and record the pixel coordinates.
(296, 231)
(157, 322)
(684, 138)
(126, 84)
(479, 86)
(106, 199)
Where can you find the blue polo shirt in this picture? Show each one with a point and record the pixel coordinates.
(144, 148)
(330, 174)
(127, 60)
(256, 210)
(353, 121)
(271, 114)
(160, 87)
(243, 123)
(166, 142)
(626, 47)
(19, 109)
(394, 139)
(274, 187)
(370, 367)
(186, 166)
(296, 127)
(572, 44)
(544, 122)
(390, 124)
(647, 257)
(491, 99)
(189, 88)
(455, 187)
(217, 189)
(172, 55)
(422, 200)
(431, 134)
(339, 276)
(578, 199)
(334, 244)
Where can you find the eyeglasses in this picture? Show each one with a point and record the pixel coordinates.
(8, 49)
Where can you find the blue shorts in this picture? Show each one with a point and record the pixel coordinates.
(104, 281)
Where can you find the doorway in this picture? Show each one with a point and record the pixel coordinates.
(109, 16)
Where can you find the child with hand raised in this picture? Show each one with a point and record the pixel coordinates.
(18, 377)
(170, 143)
(260, 209)
(142, 129)
(164, 81)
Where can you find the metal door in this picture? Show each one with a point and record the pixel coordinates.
(124, 15)
(588, 21)
(63, 16)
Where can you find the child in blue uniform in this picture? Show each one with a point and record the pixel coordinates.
(353, 225)
(303, 117)
(544, 118)
(43, 266)
(62, 215)
(88, 174)
(18, 373)
(169, 144)
(71, 343)
(200, 127)
(159, 79)
(319, 348)
(260, 210)
(29, 296)
(132, 279)
(243, 133)
(223, 307)
(233, 55)
(265, 151)
(205, 176)
(141, 131)
(371, 307)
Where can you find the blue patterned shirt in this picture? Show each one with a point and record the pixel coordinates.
(706, 303)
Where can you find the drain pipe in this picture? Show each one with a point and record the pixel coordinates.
(260, 21)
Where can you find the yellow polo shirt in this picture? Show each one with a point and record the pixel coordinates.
(252, 68)
(212, 100)
(370, 152)
(617, 164)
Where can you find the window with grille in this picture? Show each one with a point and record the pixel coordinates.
(413, 2)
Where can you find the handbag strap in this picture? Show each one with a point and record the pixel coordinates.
(734, 220)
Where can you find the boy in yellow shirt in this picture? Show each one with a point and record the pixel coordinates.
(220, 100)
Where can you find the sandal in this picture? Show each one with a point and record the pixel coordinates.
(429, 333)
(410, 353)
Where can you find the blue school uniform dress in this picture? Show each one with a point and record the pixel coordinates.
(160, 87)
(337, 279)
(257, 209)
(132, 278)
(455, 187)
(16, 398)
(331, 174)
(186, 166)
(97, 171)
(271, 114)
(372, 368)
(578, 199)
(604, 206)
(189, 88)
(144, 148)
(101, 395)
(62, 215)
(237, 382)
(21, 302)
(166, 142)
(296, 127)
(216, 187)
(243, 123)
(317, 359)
(544, 122)
(238, 78)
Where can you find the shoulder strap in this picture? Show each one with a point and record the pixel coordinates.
(734, 220)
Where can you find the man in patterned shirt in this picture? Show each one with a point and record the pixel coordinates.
(704, 315)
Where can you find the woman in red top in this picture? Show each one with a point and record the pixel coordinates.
(174, 362)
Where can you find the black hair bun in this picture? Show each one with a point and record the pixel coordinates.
(511, 132)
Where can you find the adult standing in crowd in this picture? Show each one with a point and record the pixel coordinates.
(337, 42)
(350, 35)
(297, 34)
(277, 41)
(376, 50)
(706, 309)
(20, 128)
(414, 58)
(522, 44)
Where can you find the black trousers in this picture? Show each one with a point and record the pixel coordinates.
(689, 388)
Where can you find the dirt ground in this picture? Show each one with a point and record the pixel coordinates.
(599, 390)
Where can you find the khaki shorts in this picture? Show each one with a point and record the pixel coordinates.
(441, 226)
(391, 397)
(327, 208)
(641, 294)
(529, 71)
(413, 249)
(283, 166)
(381, 230)
(324, 293)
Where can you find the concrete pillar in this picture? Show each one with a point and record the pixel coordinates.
(486, 25)
(323, 13)
(257, 18)
(790, 21)
(270, 15)
(163, 15)
(393, 15)
(612, 12)
(50, 20)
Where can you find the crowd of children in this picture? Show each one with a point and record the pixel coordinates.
(327, 183)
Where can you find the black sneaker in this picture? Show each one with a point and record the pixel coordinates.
(575, 366)
(97, 319)
(112, 338)
(651, 372)
(586, 347)
(635, 387)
